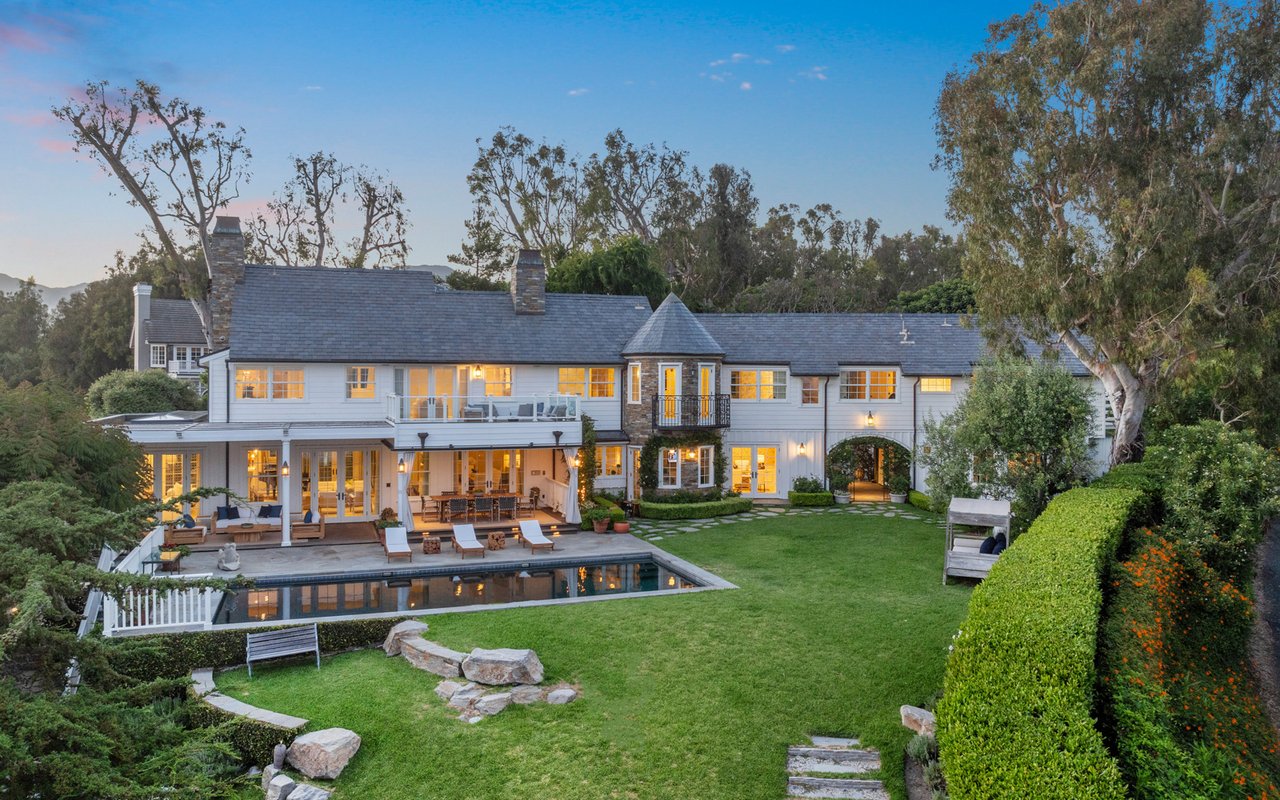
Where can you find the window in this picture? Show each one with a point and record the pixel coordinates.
(286, 384)
(765, 384)
(809, 391)
(884, 384)
(251, 384)
(264, 476)
(497, 381)
(608, 461)
(159, 355)
(261, 383)
(853, 384)
(572, 381)
(935, 385)
(706, 465)
(602, 382)
(420, 475)
(360, 383)
(633, 382)
(668, 468)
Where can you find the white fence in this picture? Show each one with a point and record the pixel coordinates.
(156, 610)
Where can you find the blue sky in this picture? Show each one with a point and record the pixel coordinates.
(821, 102)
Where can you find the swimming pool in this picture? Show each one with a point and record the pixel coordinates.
(459, 586)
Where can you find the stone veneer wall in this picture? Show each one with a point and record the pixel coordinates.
(529, 283)
(226, 263)
(637, 418)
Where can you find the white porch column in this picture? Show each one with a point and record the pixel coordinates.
(571, 514)
(286, 494)
(402, 482)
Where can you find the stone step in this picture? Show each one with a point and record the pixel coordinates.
(840, 788)
(832, 741)
(833, 761)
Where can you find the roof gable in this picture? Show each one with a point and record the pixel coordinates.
(174, 322)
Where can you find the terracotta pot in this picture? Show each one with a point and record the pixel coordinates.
(622, 527)
(600, 525)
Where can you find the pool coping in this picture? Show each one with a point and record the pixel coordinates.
(708, 581)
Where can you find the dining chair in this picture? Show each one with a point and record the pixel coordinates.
(483, 507)
(507, 505)
(457, 508)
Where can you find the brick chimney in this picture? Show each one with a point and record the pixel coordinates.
(529, 283)
(226, 265)
(141, 315)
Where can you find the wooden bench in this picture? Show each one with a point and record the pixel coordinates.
(276, 644)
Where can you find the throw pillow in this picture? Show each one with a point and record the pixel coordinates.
(228, 512)
(188, 521)
(999, 548)
(307, 517)
(987, 546)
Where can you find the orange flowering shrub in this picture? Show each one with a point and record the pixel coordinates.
(1180, 706)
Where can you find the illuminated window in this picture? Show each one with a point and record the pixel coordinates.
(773, 384)
(742, 384)
(497, 381)
(420, 475)
(264, 604)
(264, 476)
(809, 391)
(669, 468)
(608, 461)
(633, 382)
(765, 384)
(572, 381)
(360, 383)
(706, 465)
(251, 384)
(939, 385)
(601, 382)
(286, 384)
(593, 382)
(884, 384)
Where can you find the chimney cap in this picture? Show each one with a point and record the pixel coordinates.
(529, 258)
(141, 288)
(226, 225)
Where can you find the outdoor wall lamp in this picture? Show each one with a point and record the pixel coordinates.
(284, 469)
(402, 468)
(800, 448)
(477, 371)
(871, 420)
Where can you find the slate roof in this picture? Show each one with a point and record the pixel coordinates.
(819, 344)
(315, 314)
(174, 322)
(673, 330)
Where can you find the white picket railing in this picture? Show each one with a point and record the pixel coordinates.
(148, 610)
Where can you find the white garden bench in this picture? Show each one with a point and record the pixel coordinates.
(286, 642)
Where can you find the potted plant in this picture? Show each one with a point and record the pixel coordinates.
(598, 517)
(899, 485)
(386, 519)
(622, 525)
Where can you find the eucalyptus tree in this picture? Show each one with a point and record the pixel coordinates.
(1116, 167)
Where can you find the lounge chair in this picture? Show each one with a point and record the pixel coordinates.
(464, 540)
(307, 530)
(532, 536)
(395, 543)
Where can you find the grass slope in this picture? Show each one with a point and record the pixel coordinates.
(840, 619)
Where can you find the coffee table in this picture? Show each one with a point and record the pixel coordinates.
(242, 534)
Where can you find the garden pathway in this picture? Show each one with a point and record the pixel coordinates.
(825, 768)
(656, 530)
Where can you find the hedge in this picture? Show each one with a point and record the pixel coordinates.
(255, 741)
(811, 498)
(175, 655)
(714, 508)
(1139, 477)
(1016, 716)
(605, 509)
(920, 500)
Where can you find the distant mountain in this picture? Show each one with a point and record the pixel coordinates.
(52, 295)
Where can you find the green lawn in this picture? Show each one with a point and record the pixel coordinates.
(840, 619)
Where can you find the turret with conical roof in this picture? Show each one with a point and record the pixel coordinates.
(673, 330)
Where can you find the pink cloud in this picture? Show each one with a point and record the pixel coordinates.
(13, 37)
(31, 119)
(58, 146)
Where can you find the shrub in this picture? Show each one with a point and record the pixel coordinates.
(810, 499)
(127, 392)
(609, 512)
(175, 655)
(808, 484)
(1219, 487)
(253, 740)
(1140, 477)
(920, 500)
(1015, 718)
(691, 496)
(715, 508)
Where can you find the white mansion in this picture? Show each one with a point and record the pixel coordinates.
(342, 392)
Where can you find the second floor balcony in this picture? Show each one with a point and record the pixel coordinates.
(687, 412)
(460, 409)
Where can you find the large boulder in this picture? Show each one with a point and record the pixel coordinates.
(502, 666)
(323, 754)
(917, 719)
(434, 658)
(305, 791)
(410, 627)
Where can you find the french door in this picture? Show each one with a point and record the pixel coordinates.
(706, 393)
(669, 389)
(755, 471)
(481, 471)
(340, 484)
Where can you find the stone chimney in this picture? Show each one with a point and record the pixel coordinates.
(141, 315)
(529, 283)
(226, 265)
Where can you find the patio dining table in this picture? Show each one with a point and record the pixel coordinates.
(442, 500)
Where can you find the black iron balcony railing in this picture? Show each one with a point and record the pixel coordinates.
(691, 411)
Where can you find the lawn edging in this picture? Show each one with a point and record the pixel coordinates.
(712, 508)
(1016, 716)
(253, 732)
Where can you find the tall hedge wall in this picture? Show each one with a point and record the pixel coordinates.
(1016, 715)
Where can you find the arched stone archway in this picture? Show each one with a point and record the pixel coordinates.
(866, 465)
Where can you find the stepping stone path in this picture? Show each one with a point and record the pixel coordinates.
(656, 530)
(828, 766)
